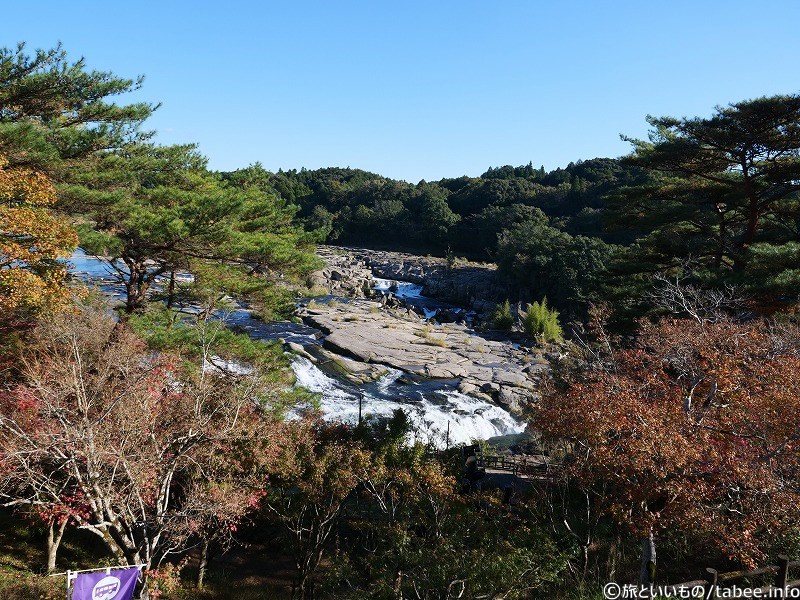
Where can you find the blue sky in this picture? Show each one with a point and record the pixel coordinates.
(422, 90)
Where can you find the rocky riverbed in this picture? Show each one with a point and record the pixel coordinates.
(350, 271)
(494, 370)
(456, 385)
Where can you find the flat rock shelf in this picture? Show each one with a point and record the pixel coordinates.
(398, 338)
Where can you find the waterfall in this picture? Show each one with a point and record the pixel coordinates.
(430, 411)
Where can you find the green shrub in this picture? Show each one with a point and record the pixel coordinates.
(541, 321)
(502, 317)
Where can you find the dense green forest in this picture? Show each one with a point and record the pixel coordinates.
(464, 214)
(546, 231)
(672, 409)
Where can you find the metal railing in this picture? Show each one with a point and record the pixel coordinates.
(713, 581)
(521, 465)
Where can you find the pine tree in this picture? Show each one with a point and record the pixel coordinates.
(722, 190)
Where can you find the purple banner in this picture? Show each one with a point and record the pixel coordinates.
(117, 585)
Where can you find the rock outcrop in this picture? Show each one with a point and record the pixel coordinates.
(344, 274)
(485, 368)
(469, 284)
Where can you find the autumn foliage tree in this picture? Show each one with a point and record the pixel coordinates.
(695, 428)
(410, 534)
(314, 474)
(144, 450)
(32, 240)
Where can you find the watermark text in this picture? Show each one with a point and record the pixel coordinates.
(618, 591)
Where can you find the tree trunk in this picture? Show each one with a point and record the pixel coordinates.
(304, 588)
(753, 215)
(613, 558)
(398, 585)
(201, 569)
(299, 590)
(136, 298)
(171, 291)
(53, 542)
(585, 566)
(647, 572)
(136, 286)
(720, 253)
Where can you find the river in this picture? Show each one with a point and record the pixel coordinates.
(437, 411)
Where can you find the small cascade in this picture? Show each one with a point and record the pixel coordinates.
(440, 415)
(402, 289)
(313, 379)
(428, 308)
(384, 384)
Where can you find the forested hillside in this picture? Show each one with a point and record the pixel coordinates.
(463, 214)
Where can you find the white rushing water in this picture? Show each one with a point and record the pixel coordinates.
(429, 413)
(401, 289)
(412, 294)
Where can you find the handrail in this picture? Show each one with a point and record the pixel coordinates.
(714, 579)
(517, 464)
